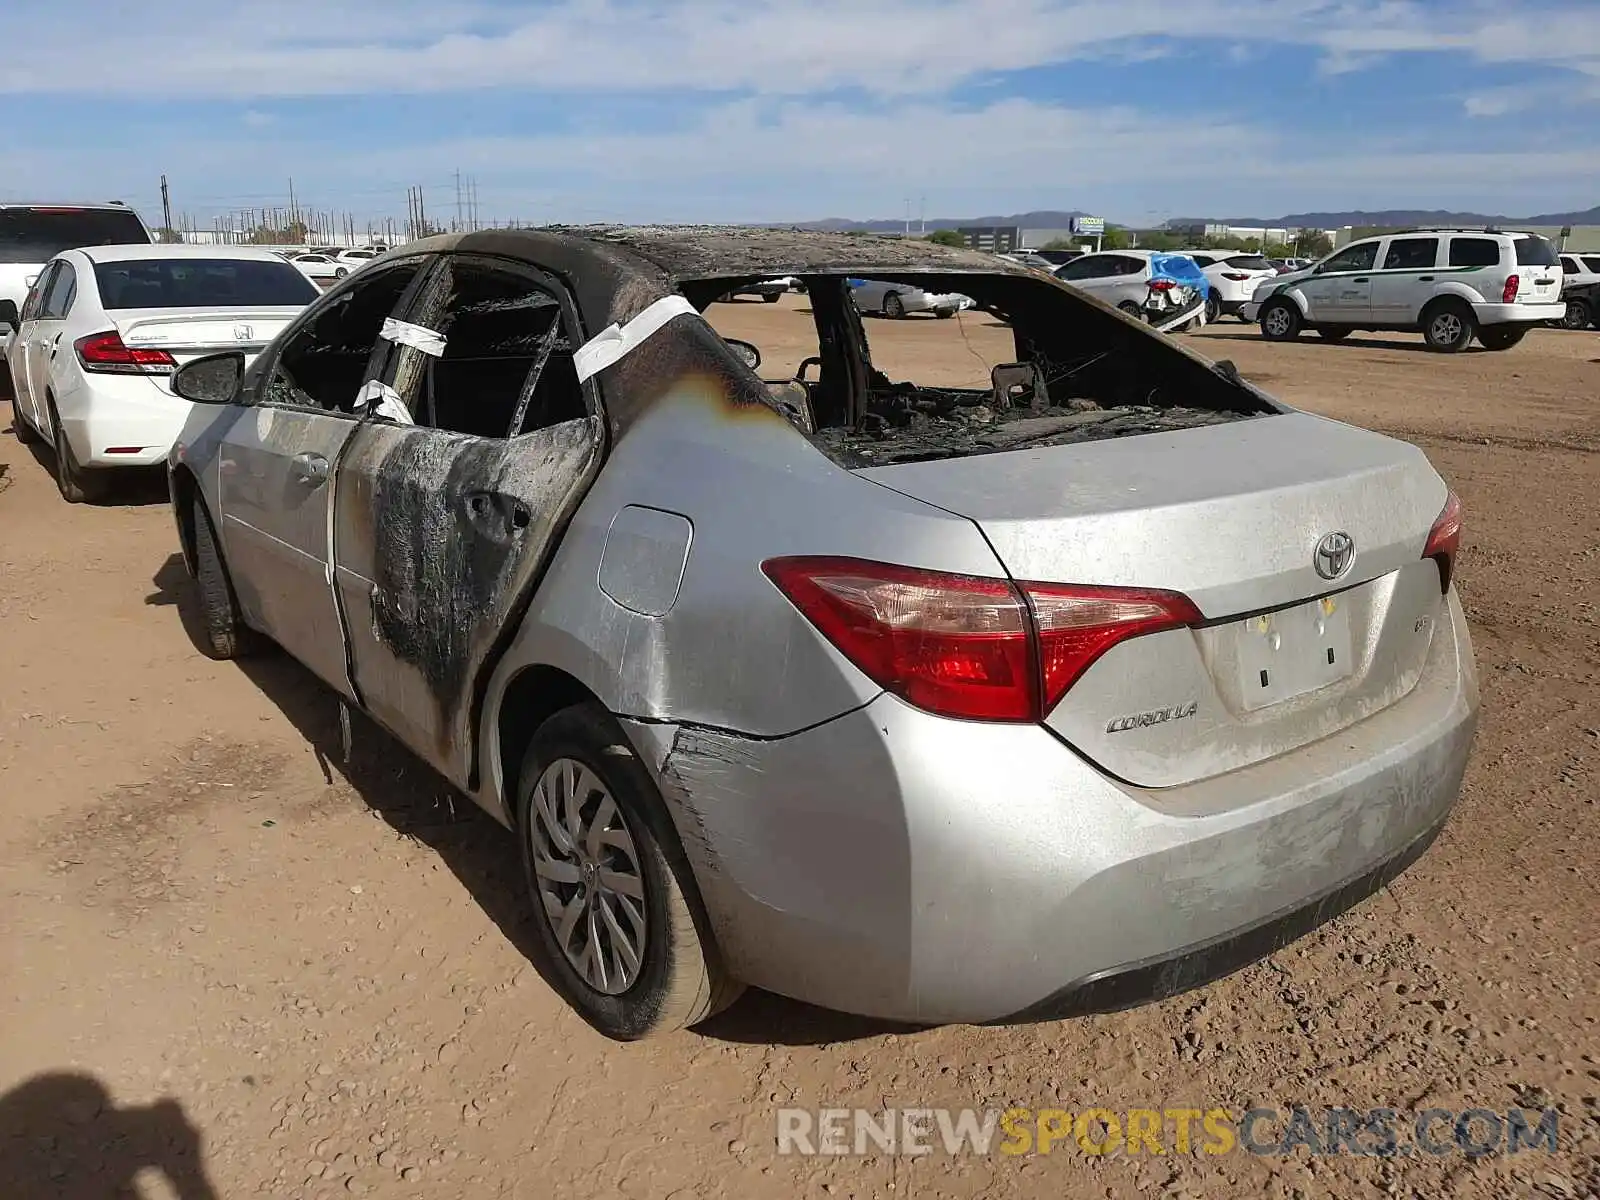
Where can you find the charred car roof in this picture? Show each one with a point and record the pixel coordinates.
(617, 270)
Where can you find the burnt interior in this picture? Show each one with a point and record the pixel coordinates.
(1082, 372)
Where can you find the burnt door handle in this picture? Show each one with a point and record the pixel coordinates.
(310, 469)
(498, 515)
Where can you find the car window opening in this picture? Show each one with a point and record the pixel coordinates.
(507, 363)
(325, 363)
(1030, 363)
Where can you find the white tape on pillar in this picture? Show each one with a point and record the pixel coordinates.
(402, 333)
(611, 343)
(384, 402)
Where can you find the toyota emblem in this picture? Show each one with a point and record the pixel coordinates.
(1334, 554)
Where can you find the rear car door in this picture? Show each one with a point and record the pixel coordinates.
(451, 496)
(277, 465)
(1404, 280)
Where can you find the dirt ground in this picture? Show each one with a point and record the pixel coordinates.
(228, 957)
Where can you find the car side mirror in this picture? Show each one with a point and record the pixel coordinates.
(213, 379)
(8, 315)
(748, 354)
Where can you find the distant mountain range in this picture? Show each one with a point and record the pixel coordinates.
(1052, 219)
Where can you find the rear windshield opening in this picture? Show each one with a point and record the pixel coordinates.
(1535, 251)
(1249, 262)
(36, 235)
(906, 368)
(201, 283)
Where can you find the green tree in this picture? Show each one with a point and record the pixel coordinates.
(947, 237)
(1060, 244)
(1115, 238)
(1312, 243)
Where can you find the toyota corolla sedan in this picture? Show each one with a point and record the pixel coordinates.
(932, 703)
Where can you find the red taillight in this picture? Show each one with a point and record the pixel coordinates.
(1078, 624)
(105, 352)
(1444, 539)
(1236, 276)
(1512, 286)
(1161, 285)
(963, 645)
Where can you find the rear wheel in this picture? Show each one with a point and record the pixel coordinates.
(1501, 337)
(227, 636)
(1280, 321)
(1449, 326)
(769, 297)
(1332, 333)
(617, 923)
(340, 272)
(892, 307)
(1213, 308)
(1132, 309)
(76, 485)
(1577, 315)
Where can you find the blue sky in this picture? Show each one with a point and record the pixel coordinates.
(748, 110)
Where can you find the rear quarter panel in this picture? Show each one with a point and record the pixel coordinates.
(731, 652)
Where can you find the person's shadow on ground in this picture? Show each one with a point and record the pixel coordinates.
(62, 1138)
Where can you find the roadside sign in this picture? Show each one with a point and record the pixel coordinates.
(1091, 226)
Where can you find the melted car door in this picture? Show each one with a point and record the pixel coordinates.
(277, 461)
(451, 495)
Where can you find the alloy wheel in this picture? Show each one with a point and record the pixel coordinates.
(1447, 329)
(590, 881)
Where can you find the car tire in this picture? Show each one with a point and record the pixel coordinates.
(76, 485)
(1213, 308)
(1577, 315)
(892, 306)
(1448, 326)
(677, 978)
(340, 272)
(1280, 321)
(770, 298)
(1333, 333)
(1132, 309)
(1501, 337)
(226, 634)
(944, 314)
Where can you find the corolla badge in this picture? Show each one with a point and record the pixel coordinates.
(1334, 554)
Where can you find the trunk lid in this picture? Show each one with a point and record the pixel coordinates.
(1231, 516)
(190, 333)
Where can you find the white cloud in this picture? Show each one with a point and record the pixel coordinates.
(257, 120)
(754, 161)
(764, 46)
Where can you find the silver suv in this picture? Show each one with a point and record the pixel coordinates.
(1450, 284)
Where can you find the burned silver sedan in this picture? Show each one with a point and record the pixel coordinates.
(1076, 687)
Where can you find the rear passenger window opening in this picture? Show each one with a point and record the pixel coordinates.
(1028, 364)
(506, 367)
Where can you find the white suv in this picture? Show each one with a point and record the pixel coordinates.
(1234, 276)
(1451, 284)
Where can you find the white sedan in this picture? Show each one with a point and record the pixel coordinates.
(901, 299)
(324, 268)
(104, 328)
